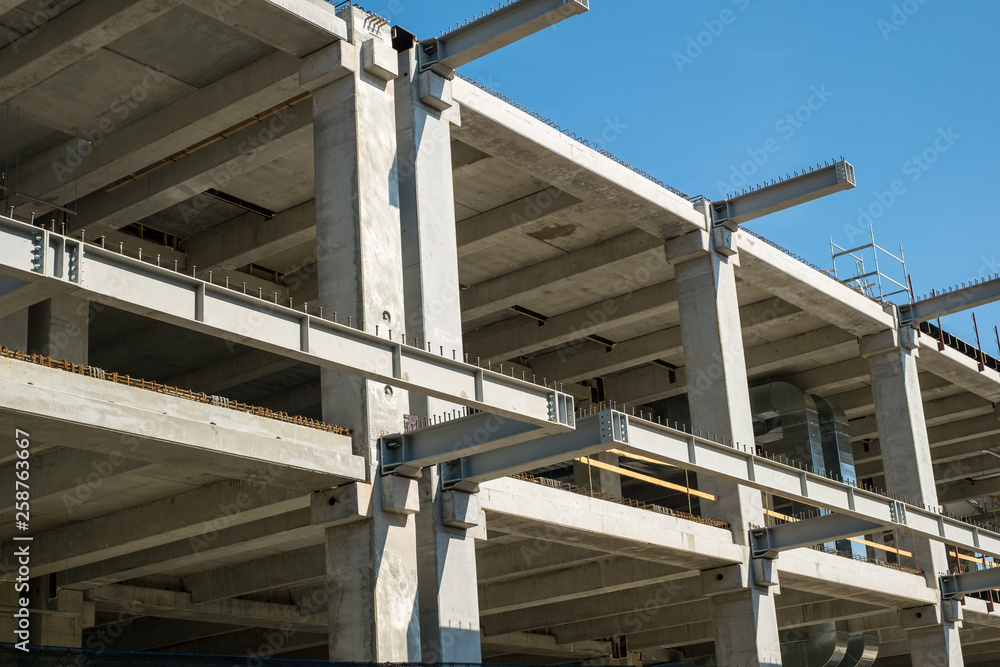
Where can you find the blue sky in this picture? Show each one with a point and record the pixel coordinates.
(905, 90)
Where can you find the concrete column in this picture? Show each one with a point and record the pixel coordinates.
(906, 458)
(14, 330)
(64, 626)
(59, 327)
(371, 565)
(745, 621)
(448, 592)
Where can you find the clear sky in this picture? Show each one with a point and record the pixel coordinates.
(704, 93)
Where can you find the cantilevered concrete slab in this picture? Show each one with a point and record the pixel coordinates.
(112, 419)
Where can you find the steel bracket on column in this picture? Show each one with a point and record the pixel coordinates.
(783, 193)
(954, 586)
(593, 434)
(769, 542)
(958, 299)
(408, 453)
(493, 31)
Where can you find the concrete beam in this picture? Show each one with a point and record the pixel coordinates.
(510, 561)
(240, 369)
(250, 238)
(175, 604)
(70, 36)
(936, 412)
(543, 645)
(217, 107)
(229, 541)
(572, 365)
(496, 227)
(291, 568)
(621, 253)
(16, 295)
(832, 378)
(115, 354)
(211, 167)
(149, 634)
(73, 476)
(963, 371)
(536, 511)
(122, 422)
(520, 336)
(770, 269)
(295, 26)
(574, 583)
(159, 522)
(254, 643)
(634, 601)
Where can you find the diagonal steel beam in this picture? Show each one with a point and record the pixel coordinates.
(594, 433)
(493, 31)
(783, 194)
(768, 542)
(962, 298)
(954, 586)
(408, 453)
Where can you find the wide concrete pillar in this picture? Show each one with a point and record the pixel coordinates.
(598, 480)
(909, 472)
(59, 328)
(372, 564)
(448, 592)
(53, 621)
(743, 609)
(14, 330)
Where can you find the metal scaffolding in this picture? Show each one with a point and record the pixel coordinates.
(871, 282)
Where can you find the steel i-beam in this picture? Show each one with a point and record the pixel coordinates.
(769, 542)
(493, 31)
(595, 433)
(963, 298)
(734, 463)
(781, 194)
(954, 586)
(408, 453)
(36, 256)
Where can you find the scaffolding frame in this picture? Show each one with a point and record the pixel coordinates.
(877, 288)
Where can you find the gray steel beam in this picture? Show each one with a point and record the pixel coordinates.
(32, 254)
(954, 586)
(493, 31)
(733, 462)
(408, 453)
(962, 298)
(768, 542)
(784, 194)
(594, 433)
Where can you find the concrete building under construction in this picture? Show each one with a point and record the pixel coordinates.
(313, 348)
